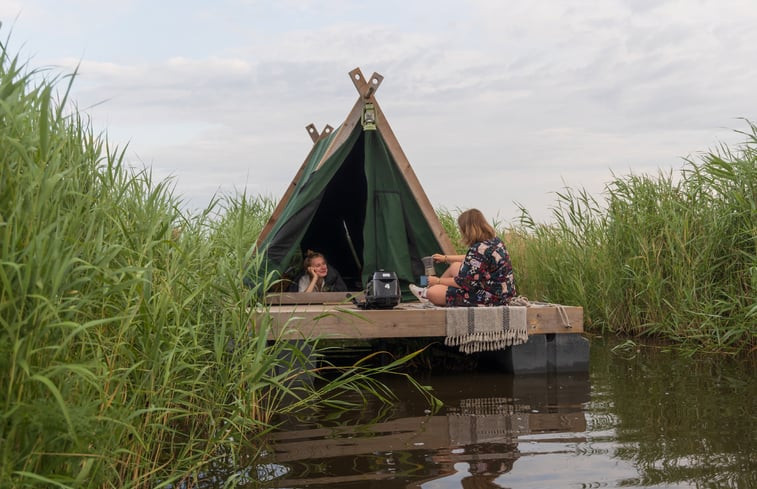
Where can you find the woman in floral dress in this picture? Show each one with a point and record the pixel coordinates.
(483, 276)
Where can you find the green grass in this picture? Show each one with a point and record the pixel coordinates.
(130, 353)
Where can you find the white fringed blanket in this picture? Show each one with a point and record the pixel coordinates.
(475, 329)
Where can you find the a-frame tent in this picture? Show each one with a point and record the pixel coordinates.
(357, 200)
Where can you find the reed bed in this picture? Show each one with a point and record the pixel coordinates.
(670, 256)
(130, 354)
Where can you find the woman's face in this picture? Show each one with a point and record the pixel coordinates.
(319, 265)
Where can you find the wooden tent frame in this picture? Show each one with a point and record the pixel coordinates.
(366, 91)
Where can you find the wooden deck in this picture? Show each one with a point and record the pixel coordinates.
(331, 315)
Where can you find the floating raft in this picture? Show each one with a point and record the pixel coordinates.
(555, 342)
(330, 314)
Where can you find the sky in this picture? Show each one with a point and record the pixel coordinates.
(497, 104)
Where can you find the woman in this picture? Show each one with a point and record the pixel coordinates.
(483, 276)
(318, 277)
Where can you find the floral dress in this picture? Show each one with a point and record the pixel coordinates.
(485, 277)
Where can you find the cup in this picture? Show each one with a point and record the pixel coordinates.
(428, 264)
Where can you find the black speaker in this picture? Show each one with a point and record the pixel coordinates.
(382, 291)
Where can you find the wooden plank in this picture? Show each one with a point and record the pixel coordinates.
(549, 319)
(405, 321)
(294, 322)
(333, 480)
(288, 298)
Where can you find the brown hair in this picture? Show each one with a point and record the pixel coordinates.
(474, 227)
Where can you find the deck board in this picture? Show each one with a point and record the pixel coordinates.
(410, 320)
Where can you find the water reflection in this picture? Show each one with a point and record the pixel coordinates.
(650, 418)
(684, 422)
(471, 442)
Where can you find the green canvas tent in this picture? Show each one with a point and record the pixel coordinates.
(357, 200)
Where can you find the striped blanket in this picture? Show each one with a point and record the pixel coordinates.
(475, 329)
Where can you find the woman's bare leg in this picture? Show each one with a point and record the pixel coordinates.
(437, 294)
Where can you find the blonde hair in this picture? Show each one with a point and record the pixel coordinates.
(474, 227)
(311, 255)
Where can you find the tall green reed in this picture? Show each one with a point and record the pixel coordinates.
(668, 256)
(130, 354)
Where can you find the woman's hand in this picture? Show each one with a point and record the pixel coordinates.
(439, 258)
(311, 272)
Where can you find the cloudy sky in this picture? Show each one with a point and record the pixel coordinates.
(495, 102)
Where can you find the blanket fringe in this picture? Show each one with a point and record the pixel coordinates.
(486, 341)
(476, 329)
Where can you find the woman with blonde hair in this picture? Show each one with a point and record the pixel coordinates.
(483, 276)
(317, 276)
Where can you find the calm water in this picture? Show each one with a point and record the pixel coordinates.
(647, 418)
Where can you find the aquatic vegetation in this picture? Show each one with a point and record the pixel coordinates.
(130, 353)
(673, 256)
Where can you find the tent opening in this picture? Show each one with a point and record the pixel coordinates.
(337, 226)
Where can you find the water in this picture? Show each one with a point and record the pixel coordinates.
(646, 418)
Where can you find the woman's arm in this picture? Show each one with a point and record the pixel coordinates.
(439, 258)
(313, 280)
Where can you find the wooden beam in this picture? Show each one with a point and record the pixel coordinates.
(373, 85)
(405, 321)
(289, 298)
(313, 132)
(344, 131)
(366, 89)
(315, 135)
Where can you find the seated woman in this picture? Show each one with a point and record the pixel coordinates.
(483, 276)
(317, 277)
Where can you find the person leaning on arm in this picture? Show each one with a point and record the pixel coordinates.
(483, 276)
(318, 276)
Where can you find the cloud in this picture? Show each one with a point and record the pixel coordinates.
(492, 103)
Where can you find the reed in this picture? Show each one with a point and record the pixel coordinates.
(448, 220)
(673, 256)
(130, 354)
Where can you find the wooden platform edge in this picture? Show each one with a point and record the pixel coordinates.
(348, 322)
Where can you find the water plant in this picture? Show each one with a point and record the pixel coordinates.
(673, 256)
(130, 353)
